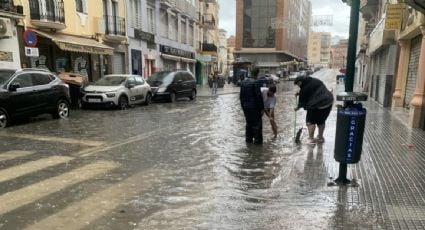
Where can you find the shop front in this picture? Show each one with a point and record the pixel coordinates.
(173, 58)
(67, 53)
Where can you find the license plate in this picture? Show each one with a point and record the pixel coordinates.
(94, 100)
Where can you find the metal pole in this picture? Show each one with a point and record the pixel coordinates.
(352, 45)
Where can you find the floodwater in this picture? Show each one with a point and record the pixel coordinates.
(171, 166)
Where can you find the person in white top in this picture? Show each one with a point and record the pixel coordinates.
(269, 97)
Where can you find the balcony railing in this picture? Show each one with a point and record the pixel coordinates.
(52, 11)
(6, 5)
(114, 25)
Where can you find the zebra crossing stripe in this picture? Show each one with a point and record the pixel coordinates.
(87, 211)
(33, 166)
(13, 200)
(54, 139)
(13, 154)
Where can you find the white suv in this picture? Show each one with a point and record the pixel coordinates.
(117, 90)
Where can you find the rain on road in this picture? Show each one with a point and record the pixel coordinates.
(164, 166)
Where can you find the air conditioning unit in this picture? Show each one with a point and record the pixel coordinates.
(5, 28)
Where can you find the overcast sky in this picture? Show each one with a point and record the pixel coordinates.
(339, 10)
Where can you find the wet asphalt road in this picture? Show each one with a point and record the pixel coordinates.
(164, 166)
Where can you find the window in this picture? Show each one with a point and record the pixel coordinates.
(40, 79)
(151, 19)
(131, 80)
(24, 80)
(257, 31)
(79, 6)
(139, 81)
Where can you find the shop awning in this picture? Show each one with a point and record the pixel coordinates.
(170, 57)
(77, 44)
(188, 60)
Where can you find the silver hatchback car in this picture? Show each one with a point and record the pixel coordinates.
(118, 90)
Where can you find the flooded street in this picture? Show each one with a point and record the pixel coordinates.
(168, 166)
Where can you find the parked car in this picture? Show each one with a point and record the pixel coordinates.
(170, 85)
(293, 75)
(118, 90)
(273, 78)
(31, 92)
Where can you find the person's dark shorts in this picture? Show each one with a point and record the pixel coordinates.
(318, 116)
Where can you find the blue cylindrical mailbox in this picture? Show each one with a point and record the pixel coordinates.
(349, 133)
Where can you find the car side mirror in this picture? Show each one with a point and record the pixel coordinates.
(14, 86)
(130, 85)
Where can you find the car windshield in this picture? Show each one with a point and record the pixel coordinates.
(5, 75)
(164, 77)
(111, 81)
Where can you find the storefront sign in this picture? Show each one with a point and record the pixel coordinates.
(144, 36)
(176, 52)
(84, 49)
(30, 38)
(393, 16)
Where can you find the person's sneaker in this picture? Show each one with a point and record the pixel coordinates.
(311, 141)
(320, 140)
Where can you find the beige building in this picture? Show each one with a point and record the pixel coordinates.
(231, 42)
(85, 37)
(319, 49)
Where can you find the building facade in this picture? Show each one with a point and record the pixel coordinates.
(269, 32)
(10, 16)
(222, 52)
(231, 43)
(392, 53)
(319, 49)
(84, 37)
(208, 49)
(339, 54)
(162, 34)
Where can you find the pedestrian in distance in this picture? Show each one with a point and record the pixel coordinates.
(314, 97)
(253, 107)
(269, 98)
(214, 83)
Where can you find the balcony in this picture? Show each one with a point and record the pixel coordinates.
(209, 47)
(369, 8)
(381, 36)
(114, 28)
(418, 5)
(50, 15)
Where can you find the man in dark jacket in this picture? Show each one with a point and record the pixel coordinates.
(253, 106)
(317, 100)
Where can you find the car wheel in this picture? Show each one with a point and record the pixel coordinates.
(193, 95)
(172, 97)
(62, 110)
(4, 119)
(148, 99)
(122, 103)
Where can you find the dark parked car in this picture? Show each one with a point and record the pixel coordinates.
(30, 92)
(170, 85)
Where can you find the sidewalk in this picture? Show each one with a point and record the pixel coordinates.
(206, 91)
(391, 192)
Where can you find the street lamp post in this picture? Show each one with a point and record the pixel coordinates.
(352, 43)
(344, 153)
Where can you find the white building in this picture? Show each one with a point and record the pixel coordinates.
(222, 52)
(9, 40)
(162, 34)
